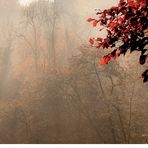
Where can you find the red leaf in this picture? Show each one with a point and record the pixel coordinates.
(106, 40)
(140, 28)
(105, 60)
(133, 29)
(90, 20)
(142, 4)
(132, 4)
(99, 46)
(91, 41)
(101, 29)
(95, 22)
(126, 39)
(145, 14)
(112, 25)
(99, 39)
(121, 19)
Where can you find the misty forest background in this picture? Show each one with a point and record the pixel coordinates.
(52, 89)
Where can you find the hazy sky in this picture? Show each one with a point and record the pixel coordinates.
(102, 3)
(27, 2)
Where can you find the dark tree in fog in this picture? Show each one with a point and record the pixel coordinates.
(49, 15)
(40, 18)
(126, 26)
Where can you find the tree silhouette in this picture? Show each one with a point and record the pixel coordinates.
(127, 29)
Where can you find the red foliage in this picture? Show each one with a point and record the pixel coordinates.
(112, 56)
(93, 21)
(127, 23)
(105, 60)
(91, 41)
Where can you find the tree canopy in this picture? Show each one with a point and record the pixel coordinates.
(127, 29)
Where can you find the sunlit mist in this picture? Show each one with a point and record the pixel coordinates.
(26, 3)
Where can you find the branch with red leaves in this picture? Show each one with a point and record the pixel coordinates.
(127, 29)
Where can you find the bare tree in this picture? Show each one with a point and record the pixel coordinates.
(7, 46)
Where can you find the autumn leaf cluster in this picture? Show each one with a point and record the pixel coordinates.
(127, 29)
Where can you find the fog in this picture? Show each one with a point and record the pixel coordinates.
(52, 89)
